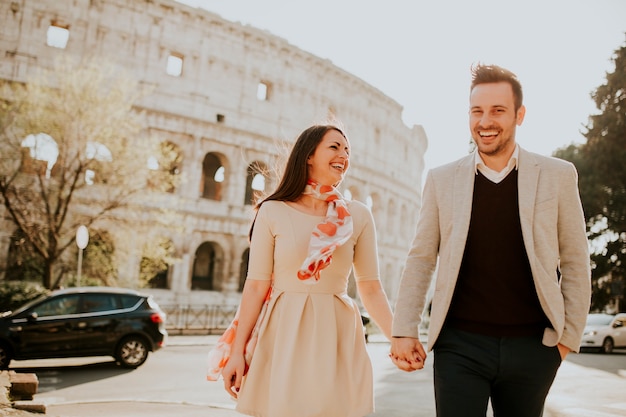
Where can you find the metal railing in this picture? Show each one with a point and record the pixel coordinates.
(198, 319)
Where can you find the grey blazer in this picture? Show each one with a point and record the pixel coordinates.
(553, 228)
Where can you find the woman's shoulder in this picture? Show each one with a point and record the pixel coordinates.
(271, 206)
(358, 209)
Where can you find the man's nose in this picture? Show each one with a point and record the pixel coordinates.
(485, 119)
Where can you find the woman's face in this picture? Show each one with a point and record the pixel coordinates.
(329, 163)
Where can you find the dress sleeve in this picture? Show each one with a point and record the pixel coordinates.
(261, 260)
(365, 249)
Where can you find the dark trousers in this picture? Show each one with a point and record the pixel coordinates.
(514, 372)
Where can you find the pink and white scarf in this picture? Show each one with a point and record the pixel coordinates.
(327, 236)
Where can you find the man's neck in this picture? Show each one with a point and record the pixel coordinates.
(498, 161)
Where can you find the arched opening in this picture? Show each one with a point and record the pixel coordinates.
(157, 257)
(243, 268)
(99, 263)
(206, 268)
(255, 182)
(213, 175)
(166, 167)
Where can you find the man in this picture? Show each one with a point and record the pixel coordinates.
(512, 291)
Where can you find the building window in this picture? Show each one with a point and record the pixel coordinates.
(58, 35)
(263, 91)
(174, 65)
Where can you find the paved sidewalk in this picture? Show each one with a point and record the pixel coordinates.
(578, 391)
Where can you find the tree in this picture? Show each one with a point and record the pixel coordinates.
(602, 171)
(73, 150)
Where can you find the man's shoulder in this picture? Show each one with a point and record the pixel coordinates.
(544, 161)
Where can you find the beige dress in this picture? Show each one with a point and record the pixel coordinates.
(311, 359)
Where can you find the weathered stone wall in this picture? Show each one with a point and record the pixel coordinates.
(212, 107)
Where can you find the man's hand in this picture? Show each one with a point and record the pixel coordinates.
(563, 351)
(407, 353)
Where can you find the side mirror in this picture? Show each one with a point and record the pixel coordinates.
(33, 316)
(618, 324)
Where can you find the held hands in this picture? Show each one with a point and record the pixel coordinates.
(407, 353)
(233, 374)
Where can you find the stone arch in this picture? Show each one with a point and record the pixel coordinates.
(166, 167)
(257, 180)
(243, 268)
(155, 264)
(352, 193)
(207, 271)
(373, 202)
(213, 177)
(99, 260)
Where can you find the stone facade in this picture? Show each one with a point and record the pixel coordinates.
(226, 95)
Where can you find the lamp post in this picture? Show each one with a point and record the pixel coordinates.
(82, 238)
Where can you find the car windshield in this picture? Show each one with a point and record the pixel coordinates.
(30, 303)
(598, 319)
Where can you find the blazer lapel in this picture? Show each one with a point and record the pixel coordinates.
(464, 177)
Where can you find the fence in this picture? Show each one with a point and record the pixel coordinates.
(198, 319)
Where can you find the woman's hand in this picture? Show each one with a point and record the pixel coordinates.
(407, 353)
(233, 374)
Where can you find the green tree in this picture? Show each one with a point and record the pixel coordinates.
(602, 171)
(73, 150)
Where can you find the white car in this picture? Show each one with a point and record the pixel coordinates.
(603, 332)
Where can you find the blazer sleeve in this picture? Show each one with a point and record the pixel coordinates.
(574, 263)
(419, 267)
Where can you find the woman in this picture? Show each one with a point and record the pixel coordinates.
(310, 358)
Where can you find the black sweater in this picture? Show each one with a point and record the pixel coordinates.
(495, 294)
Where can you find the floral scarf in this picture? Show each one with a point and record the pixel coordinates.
(327, 236)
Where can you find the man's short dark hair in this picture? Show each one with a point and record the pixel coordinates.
(484, 74)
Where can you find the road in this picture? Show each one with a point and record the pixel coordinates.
(175, 376)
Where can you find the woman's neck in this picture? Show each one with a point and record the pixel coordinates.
(310, 205)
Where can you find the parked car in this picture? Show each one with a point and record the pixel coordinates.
(81, 322)
(604, 332)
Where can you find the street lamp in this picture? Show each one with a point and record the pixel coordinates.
(82, 238)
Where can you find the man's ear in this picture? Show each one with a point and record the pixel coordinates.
(521, 112)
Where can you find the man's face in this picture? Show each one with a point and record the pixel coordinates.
(493, 118)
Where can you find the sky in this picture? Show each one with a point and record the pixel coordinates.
(420, 52)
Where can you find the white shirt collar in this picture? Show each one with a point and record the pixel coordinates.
(495, 176)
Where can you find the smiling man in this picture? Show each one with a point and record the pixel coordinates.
(506, 228)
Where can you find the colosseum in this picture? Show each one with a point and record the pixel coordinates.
(225, 94)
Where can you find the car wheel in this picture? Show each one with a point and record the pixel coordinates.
(132, 352)
(5, 356)
(607, 345)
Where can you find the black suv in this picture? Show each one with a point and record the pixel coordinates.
(87, 321)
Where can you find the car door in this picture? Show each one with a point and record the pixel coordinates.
(619, 331)
(47, 329)
(99, 314)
